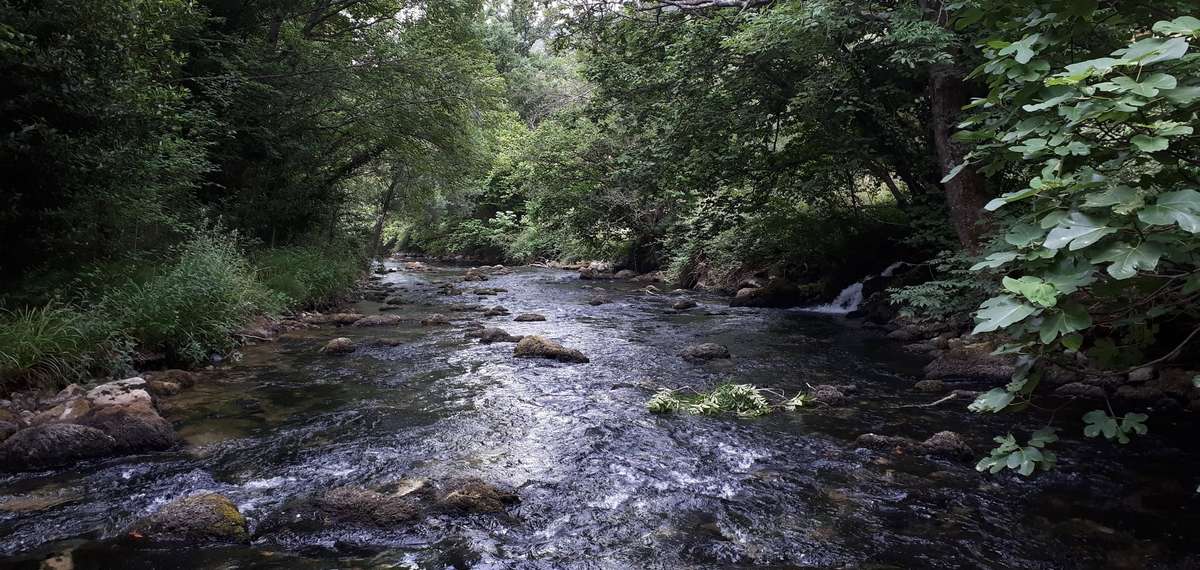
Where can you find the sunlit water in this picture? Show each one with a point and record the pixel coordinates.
(603, 483)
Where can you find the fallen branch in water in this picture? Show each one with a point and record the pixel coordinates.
(931, 404)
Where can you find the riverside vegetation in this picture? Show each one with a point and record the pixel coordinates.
(1019, 179)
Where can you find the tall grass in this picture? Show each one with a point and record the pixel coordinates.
(185, 308)
(310, 277)
(189, 309)
(47, 345)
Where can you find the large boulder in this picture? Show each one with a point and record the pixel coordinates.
(127, 392)
(340, 507)
(68, 411)
(704, 352)
(199, 519)
(777, 293)
(53, 445)
(625, 274)
(540, 347)
(135, 428)
(971, 361)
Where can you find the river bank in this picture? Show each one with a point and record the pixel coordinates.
(595, 478)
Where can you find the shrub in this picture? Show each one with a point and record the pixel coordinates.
(46, 345)
(308, 276)
(190, 308)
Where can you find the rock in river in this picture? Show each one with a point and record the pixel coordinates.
(683, 305)
(704, 352)
(340, 345)
(540, 347)
(198, 519)
(492, 334)
(475, 496)
(529, 317)
(496, 311)
(378, 321)
(53, 445)
(136, 428)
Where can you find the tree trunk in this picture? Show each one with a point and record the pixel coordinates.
(384, 205)
(966, 193)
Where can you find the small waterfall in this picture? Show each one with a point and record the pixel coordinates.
(846, 301)
(851, 297)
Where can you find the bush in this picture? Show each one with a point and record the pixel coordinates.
(309, 277)
(43, 346)
(189, 310)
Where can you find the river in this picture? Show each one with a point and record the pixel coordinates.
(602, 482)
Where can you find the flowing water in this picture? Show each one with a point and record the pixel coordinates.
(603, 483)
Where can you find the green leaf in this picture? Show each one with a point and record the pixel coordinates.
(992, 401)
(1071, 318)
(1184, 25)
(1146, 143)
(1022, 50)
(1000, 312)
(953, 172)
(1033, 289)
(1181, 207)
(1021, 235)
(1077, 231)
(1154, 50)
(1072, 341)
(995, 260)
(1126, 259)
(1183, 96)
(1111, 197)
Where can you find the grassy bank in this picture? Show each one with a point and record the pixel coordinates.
(184, 307)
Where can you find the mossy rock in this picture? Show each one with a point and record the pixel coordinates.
(199, 519)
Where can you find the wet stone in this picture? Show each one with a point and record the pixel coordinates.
(199, 519)
(475, 496)
(53, 445)
(496, 311)
(684, 305)
(378, 321)
(540, 347)
(704, 352)
(340, 345)
(529, 317)
(492, 334)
